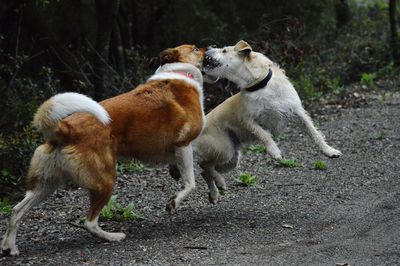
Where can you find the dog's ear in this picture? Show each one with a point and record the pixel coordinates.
(169, 55)
(243, 48)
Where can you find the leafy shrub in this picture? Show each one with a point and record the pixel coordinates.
(15, 153)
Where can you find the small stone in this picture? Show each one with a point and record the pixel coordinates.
(288, 226)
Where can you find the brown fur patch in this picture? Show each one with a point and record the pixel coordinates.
(184, 54)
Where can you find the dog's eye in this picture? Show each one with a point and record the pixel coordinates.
(196, 49)
(224, 51)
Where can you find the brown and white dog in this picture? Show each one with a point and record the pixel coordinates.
(156, 122)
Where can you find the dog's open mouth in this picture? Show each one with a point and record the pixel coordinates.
(210, 63)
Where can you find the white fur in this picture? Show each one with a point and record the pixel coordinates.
(94, 228)
(64, 104)
(250, 115)
(166, 71)
(184, 161)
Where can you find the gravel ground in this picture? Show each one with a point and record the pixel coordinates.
(349, 213)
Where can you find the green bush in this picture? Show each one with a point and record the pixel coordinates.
(15, 153)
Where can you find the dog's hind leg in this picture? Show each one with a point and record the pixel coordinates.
(213, 179)
(184, 161)
(100, 194)
(317, 135)
(42, 182)
(231, 164)
(39, 191)
(32, 198)
(208, 177)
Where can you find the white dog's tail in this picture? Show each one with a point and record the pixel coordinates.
(58, 107)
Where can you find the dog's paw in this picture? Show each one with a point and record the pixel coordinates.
(332, 153)
(275, 152)
(115, 237)
(10, 251)
(170, 207)
(213, 197)
(220, 182)
(276, 155)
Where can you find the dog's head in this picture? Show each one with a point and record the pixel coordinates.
(183, 54)
(239, 64)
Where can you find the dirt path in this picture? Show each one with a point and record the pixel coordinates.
(349, 213)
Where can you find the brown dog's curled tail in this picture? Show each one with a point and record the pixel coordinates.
(47, 117)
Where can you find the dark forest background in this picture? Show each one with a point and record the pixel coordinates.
(102, 48)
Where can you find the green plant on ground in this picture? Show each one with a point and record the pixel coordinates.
(115, 211)
(382, 135)
(320, 165)
(368, 79)
(306, 88)
(335, 85)
(128, 166)
(222, 192)
(5, 206)
(256, 149)
(291, 163)
(282, 137)
(247, 179)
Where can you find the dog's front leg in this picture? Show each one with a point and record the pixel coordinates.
(265, 137)
(184, 161)
(317, 135)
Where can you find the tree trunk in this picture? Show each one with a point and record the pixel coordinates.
(343, 14)
(394, 35)
(106, 13)
(119, 49)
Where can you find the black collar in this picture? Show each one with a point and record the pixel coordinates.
(260, 84)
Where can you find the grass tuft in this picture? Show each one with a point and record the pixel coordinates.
(5, 206)
(247, 179)
(260, 149)
(129, 166)
(291, 163)
(382, 135)
(116, 212)
(320, 165)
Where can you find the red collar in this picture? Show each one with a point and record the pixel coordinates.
(186, 74)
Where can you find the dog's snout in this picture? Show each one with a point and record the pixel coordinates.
(211, 47)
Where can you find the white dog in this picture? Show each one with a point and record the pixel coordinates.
(266, 100)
